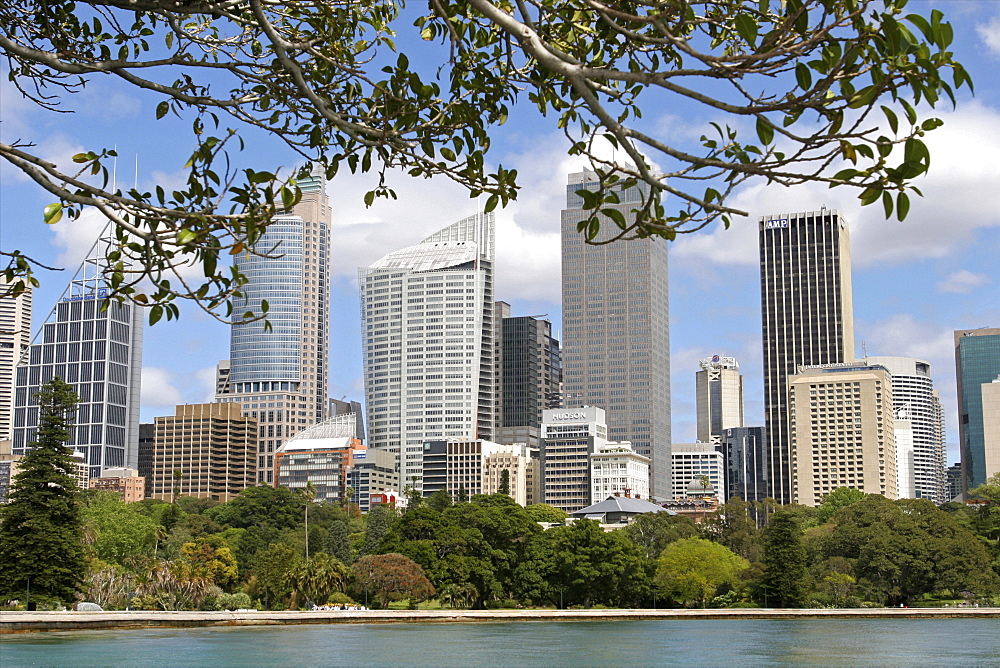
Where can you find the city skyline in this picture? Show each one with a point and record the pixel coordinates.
(922, 279)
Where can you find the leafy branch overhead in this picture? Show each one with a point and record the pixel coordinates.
(797, 90)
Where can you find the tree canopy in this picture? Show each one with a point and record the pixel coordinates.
(789, 92)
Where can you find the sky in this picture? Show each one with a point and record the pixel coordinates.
(914, 282)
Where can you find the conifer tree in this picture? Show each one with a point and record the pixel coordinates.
(785, 557)
(41, 540)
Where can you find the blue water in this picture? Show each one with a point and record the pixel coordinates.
(894, 642)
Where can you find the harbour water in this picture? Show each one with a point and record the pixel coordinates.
(884, 642)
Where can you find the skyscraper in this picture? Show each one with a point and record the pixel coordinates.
(429, 358)
(977, 362)
(616, 341)
(15, 336)
(842, 431)
(99, 353)
(913, 395)
(807, 315)
(278, 366)
(531, 370)
(719, 392)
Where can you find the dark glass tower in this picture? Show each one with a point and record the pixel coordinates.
(532, 371)
(977, 362)
(807, 316)
(616, 331)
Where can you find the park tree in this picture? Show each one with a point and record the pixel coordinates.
(272, 575)
(264, 506)
(835, 500)
(691, 570)
(783, 582)
(391, 577)
(117, 530)
(543, 512)
(41, 533)
(734, 525)
(319, 577)
(653, 532)
(801, 89)
(379, 520)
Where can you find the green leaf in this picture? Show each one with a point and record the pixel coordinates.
(185, 236)
(803, 76)
(155, 313)
(765, 131)
(161, 109)
(52, 213)
(491, 203)
(369, 197)
(902, 206)
(887, 204)
(890, 116)
(746, 26)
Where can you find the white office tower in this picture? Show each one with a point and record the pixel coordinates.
(913, 392)
(903, 431)
(427, 313)
(15, 336)
(719, 390)
(698, 471)
(99, 353)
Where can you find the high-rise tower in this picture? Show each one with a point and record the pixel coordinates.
(429, 359)
(914, 397)
(97, 351)
(531, 371)
(616, 341)
(15, 336)
(719, 390)
(807, 315)
(977, 362)
(278, 366)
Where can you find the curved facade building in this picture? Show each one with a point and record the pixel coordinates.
(427, 313)
(914, 399)
(278, 367)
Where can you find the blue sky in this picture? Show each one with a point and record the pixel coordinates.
(914, 282)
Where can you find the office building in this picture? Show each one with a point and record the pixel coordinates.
(374, 474)
(698, 471)
(569, 437)
(913, 395)
(341, 407)
(321, 456)
(977, 362)
(719, 397)
(125, 482)
(744, 453)
(807, 316)
(98, 351)
(278, 365)
(465, 468)
(429, 357)
(616, 341)
(530, 373)
(204, 450)
(955, 482)
(147, 453)
(617, 470)
(15, 337)
(842, 430)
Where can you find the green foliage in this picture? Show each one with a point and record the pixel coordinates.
(691, 570)
(209, 559)
(653, 532)
(237, 601)
(117, 530)
(273, 568)
(734, 525)
(835, 500)
(264, 506)
(378, 522)
(543, 512)
(318, 578)
(439, 500)
(391, 577)
(504, 482)
(783, 583)
(41, 541)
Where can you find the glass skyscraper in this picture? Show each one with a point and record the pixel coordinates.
(616, 330)
(807, 316)
(977, 362)
(97, 351)
(278, 366)
(429, 356)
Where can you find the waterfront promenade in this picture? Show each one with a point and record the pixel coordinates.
(27, 622)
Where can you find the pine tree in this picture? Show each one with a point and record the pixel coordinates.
(505, 482)
(41, 539)
(785, 557)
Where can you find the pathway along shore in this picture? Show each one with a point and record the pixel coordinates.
(27, 622)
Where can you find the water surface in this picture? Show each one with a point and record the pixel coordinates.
(835, 642)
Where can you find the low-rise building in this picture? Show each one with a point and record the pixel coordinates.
(321, 456)
(618, 470)
(125, 482)
(374, 475)
(477, 467)
(616, 512)
(700, 464)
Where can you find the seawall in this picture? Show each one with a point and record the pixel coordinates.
(28, 622)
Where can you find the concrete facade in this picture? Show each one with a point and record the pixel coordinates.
(569, 437)
(719, 397)
(617, 470)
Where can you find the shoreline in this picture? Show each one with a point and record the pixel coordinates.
(33, 622)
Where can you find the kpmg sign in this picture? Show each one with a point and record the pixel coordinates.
(776, 224)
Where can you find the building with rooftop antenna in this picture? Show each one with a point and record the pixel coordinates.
(428, 343)
(719, 397)
(95, 345)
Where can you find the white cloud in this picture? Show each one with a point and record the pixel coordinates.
(963, 282)
(75, 238)
(205, 383)
(989, 32)
(960, 197)
(158, 391)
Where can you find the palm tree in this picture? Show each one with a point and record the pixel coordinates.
(309, 493)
